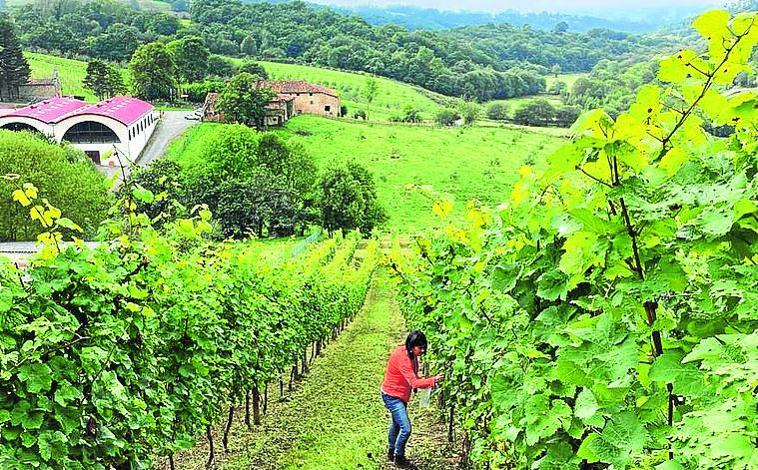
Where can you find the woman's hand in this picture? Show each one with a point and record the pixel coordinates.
(438, 378)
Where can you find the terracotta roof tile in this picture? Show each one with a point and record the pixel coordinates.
(296, 86)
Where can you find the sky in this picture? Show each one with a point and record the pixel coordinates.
(566, 6)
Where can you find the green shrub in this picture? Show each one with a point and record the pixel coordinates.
(253, 183)
(348, 200)
(63, 175)
(446, 117)
(497, 111)
(196, 92)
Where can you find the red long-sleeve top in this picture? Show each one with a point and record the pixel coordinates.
(400, 379)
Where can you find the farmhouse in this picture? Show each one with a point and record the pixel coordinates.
(40, 88)
(292, 97)
(308, 98)
(120, 125)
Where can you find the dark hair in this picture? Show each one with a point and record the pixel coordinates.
(415, 338)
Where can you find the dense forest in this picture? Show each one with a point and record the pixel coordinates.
(429, 18)
(482, 62)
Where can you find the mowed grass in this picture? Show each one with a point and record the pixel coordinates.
(70, 71)
(568, 78)
(391, 98)
(461, 164)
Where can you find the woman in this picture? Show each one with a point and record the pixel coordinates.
(399, 379)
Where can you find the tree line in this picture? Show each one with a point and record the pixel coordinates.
(259, 184)
(481, 62)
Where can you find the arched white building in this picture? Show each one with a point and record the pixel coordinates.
(119, 124)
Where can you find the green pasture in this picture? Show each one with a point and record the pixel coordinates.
(391, 98)
(459, 164)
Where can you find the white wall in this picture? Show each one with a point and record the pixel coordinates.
(131, 147)
(43, 128)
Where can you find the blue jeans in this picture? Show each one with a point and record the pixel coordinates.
(400, 425)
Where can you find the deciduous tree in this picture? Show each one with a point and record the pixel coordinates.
(243, 101)
(153, 72)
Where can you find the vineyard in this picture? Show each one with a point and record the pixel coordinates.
(114, 356)
(605, 316)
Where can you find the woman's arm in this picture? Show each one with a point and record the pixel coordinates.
(406, 368)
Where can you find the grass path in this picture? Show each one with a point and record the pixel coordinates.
(335, 419)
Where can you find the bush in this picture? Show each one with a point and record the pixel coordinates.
(446, 117)
(221, 67)
(343, 111)
(196, 92)
(253, 68)
(253, 183)
(558, 88)
(497, 111)
(360, 114)
(536, 113)
(347, 199)
(411, 114)
(163, 179)
(63, 176)
(565, 116)
(469, 111)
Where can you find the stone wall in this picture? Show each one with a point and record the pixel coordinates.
(316, 103)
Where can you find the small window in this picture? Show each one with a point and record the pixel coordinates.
(311, 101)
(328, 109)
(310, 94)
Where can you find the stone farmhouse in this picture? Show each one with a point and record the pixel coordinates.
(292, 97)
(40, 88)
(120, 125)
(308, 98)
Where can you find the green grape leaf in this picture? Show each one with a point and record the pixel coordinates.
(552, 285)
(673, 160)
(36, 376)
(143, 195)
(713, 26)
(686, 378)
(622, 437)
(66, 393)
(586, 405)
(51, 444)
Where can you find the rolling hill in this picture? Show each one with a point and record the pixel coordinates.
(390, 100)
(449, 160)
(70, 71)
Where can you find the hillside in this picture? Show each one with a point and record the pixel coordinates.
(390, 100)
(70, 71)
(492, 61)
(451, 161)
(429, 18)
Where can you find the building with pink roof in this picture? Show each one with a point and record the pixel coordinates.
(111, 132)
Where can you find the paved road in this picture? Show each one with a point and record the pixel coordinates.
(171, 125)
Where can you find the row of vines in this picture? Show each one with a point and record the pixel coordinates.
(114, 356)
(605, 316)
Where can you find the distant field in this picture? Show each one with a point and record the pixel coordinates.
(567, 78)
(390, 100)
(463, 163)
(515, 103)
(70, 71)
